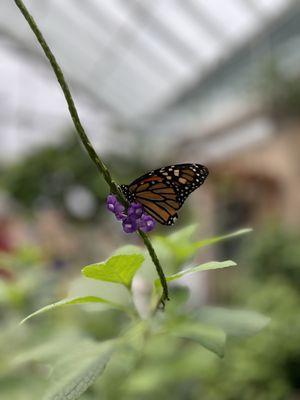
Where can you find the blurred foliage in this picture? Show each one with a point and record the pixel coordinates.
(173, 355)
(275, 252)
(63, 352)
(266, 367)
(280, 90)
(44, 177)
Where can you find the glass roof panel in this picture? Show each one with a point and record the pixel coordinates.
(129, 59)
(194, 36)
(235, 19)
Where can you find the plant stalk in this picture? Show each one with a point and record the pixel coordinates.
(102, 168)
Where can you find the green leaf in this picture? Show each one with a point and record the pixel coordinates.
(202, 267)
(182, 235)
(76, 300)
(178, 243)
(210, 337)
(75, 372)
(233, 322)
(47, 351)
(118, 269)
(206, 242)
(129, 249)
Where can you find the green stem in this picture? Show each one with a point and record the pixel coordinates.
(102, 168)
(156, 262)
(69, 99)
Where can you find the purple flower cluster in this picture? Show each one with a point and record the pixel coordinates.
(133, 219)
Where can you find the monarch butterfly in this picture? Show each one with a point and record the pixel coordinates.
(163, 191)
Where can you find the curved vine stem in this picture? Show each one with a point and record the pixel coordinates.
(102, 168)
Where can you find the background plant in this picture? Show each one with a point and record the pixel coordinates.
(65, 351)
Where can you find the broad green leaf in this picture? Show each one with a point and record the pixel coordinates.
(118, 269)
(47, 351)
(202, 267)
(206, 242)
(129, 249)
(182, 247)
(182, 235)
(233, 322)
(75, 372)
(76, 300)
(178, 243)
(210, 337)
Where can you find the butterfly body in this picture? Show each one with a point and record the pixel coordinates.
(163, 191)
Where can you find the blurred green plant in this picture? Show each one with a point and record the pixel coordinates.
(267, 366)
(280, 90)
(175, 328)
(275, 252)
(45, 177)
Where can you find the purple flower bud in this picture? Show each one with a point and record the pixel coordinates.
(119, 208)
(120, 216)
(114, 206)
(146, 223)
(129, 225)
(133, 219)
(110, 202)
(135, 210)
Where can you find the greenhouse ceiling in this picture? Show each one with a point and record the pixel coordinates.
(126, 61)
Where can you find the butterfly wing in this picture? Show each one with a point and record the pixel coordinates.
(163, 191)
(158, 199)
